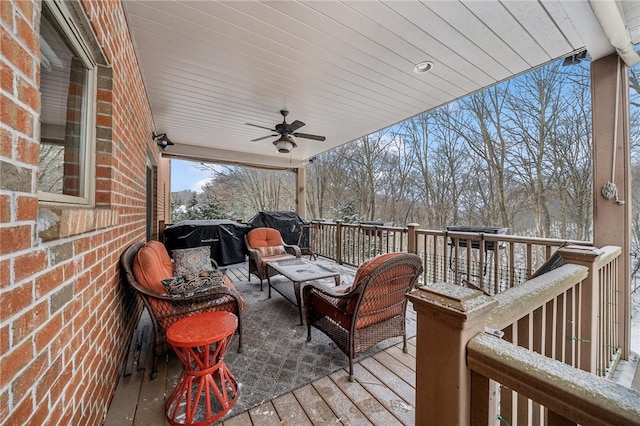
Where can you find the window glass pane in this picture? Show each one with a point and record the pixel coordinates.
(63, 86)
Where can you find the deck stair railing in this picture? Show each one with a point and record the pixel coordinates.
(535, 354)
(493, 262)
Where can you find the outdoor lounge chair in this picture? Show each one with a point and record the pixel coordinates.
(165, 309)
(370, 311)
(266, 245)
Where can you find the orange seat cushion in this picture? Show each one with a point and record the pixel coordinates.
(150, 267)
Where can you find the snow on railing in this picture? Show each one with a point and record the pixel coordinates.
(567, 315)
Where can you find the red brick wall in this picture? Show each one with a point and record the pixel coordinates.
(65, 317)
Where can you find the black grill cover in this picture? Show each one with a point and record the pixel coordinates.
(288, 223)
(225, 237)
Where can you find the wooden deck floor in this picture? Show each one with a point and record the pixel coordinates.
(383, 392)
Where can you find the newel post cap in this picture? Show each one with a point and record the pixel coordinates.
(457, 306)
(579, 254)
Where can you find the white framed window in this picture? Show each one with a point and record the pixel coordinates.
(68, 81)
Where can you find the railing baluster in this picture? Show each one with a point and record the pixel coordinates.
(482, 262)
(512, 265)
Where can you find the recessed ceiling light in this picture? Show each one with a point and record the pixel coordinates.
(423, 67)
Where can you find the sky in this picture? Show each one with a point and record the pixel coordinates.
(185, 175)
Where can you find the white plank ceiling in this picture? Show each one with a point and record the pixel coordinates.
(343, 68)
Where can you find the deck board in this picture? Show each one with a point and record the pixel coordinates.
(398, 368)
(391, 401)
(242, 419)
(290, 411)
(375, 412)
(389, 378)
(314, 406)
(122, 410)
(264, 414)
(340, 403)
(151, 399)
(407, 358)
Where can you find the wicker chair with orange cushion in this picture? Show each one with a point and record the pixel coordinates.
(370, 311)
(145, 266)
(266, 245)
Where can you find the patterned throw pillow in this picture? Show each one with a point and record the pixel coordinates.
(192, 260)
(271, 250)
(189, 284)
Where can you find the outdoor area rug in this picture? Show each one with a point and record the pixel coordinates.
(277, 357)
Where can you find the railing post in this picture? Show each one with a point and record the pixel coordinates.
(339, 241)
(448, 317)
(412, 238)
(589, 305)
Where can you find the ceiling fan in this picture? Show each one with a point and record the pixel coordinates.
(285, 143)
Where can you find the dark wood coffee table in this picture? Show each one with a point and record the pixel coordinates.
(298, 271)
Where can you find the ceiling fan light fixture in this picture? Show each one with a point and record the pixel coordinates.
(423, 67)
(284, 144)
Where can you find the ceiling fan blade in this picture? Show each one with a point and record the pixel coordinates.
(264, 137)
(262, 127)
(306, 136)
(295, 125)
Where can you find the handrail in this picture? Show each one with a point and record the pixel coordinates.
(534, 293)
(608, 254)
(565, 316)
(569, 392)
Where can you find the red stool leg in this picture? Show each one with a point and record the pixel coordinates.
(204, 369)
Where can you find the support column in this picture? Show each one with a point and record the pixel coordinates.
(448, 317)
(301, 192)
(611, 219)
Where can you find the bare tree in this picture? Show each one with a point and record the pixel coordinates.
(440, 165)
(261, 190)
(535, 106)
(416, 133)
(396, 197)
(571, 157)
(326, 175)
(482, 129)
(367, 158)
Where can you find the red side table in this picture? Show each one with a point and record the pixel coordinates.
(207, 389)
